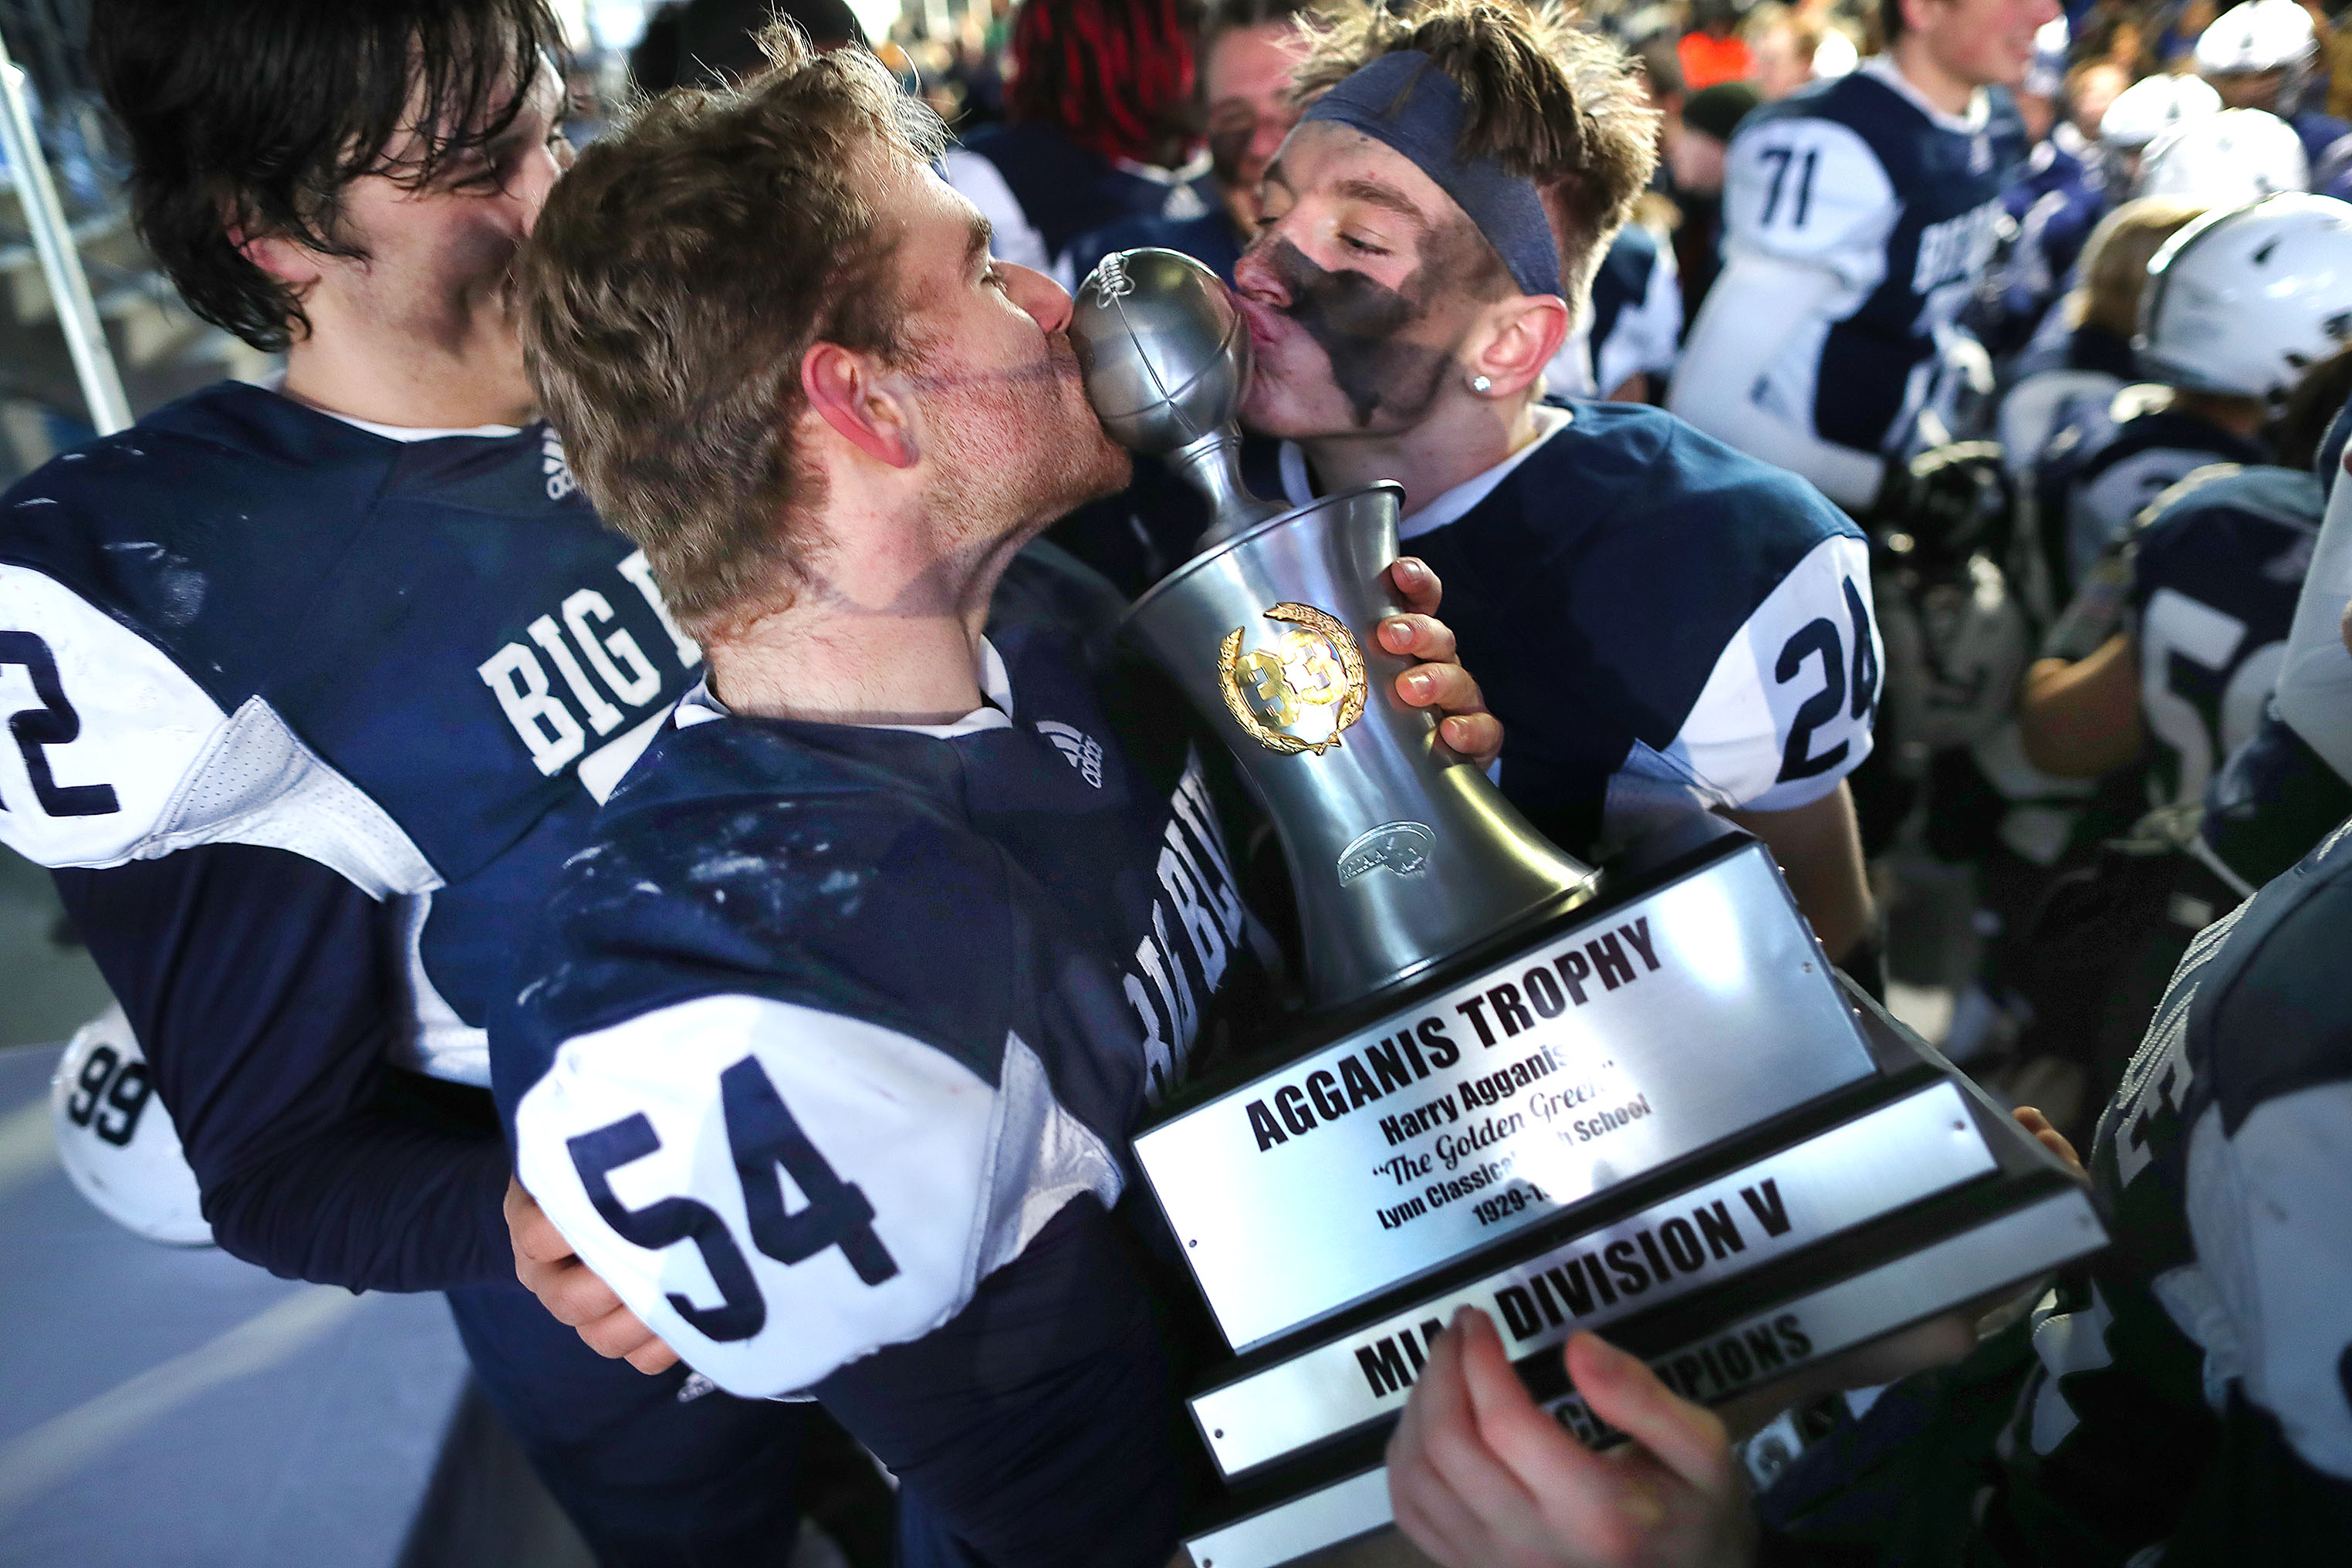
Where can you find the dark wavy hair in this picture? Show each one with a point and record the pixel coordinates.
(253, 116)
(1115, 75)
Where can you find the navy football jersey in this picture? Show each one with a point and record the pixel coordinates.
(931, 974)
(1209, 239)
(1065, 190)
(2106, 465)
(1858, 176)
(2192, 1401)
(1660, 622)
(419, 663)
(2217, 566)
(1632, 326)
(2055, 203)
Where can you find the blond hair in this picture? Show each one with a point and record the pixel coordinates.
(2113, 267)
(673, 282)
(1547, 101)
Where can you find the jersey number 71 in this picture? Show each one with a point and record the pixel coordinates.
(763, 1136)
(1802, 199)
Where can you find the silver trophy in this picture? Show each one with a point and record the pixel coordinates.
(1638, 1099)
(1402, 852)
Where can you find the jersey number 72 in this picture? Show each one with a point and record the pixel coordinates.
(763, 1136)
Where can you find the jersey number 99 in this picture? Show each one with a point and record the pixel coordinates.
(107, 1101)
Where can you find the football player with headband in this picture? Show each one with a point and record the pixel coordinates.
(1663, 624)
(826, 1050)
(1859, 215)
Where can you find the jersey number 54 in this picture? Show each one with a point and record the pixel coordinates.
(764, 1137)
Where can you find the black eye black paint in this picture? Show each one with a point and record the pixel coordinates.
(1357, 321)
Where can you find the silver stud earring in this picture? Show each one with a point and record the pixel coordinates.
(1481, 385)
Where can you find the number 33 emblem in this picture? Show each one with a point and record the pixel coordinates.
(1312, 679)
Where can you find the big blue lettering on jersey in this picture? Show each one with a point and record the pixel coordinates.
(421, 663)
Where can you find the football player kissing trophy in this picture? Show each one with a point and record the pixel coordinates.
(1637, 1099)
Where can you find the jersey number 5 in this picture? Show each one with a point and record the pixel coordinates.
(53, 724)
(763, 1137)
(1820, 635)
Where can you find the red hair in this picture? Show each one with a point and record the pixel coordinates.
(1115, 75)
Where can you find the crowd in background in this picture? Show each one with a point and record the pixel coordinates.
(2115, 701)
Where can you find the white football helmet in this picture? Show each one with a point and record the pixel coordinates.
(2225, 159)
(2152, 106)
(2244, 301)
(117, 1141)
(2258, 35)
(2046, 76)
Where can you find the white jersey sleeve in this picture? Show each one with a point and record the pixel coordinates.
(2269, 1296)
(1810, 191)
(1648, 332)
(120, 755)
(777, 1191)
(1787, 711)
(2314, 685)
(1764, 319)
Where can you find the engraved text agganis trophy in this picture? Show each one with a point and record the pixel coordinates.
(1637, 1099)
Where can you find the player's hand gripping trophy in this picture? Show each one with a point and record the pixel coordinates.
(1641, 1103)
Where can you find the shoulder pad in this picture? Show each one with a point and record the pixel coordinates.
(777, 1190)
(120, 755)
(1789, 708)
(1812, 190)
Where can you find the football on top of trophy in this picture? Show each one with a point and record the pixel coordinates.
(1165, 353)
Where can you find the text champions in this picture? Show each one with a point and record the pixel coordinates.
(1495, 1010)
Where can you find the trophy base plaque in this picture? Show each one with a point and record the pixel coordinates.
(1629, 1041)
(1733, 1166)
(1931, 1199)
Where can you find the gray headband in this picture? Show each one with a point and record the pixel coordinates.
(1404, 101)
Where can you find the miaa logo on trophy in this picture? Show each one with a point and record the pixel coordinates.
(1297, 693)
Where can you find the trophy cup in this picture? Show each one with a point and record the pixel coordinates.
(1637, 1099)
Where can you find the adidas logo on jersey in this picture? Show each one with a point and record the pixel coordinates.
(1084, 751)
(552, 463)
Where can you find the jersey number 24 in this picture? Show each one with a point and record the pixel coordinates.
(1820, 635)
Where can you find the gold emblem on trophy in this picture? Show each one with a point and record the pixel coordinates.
(1297, 693)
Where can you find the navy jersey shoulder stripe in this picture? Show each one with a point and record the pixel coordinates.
(1595, 590)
